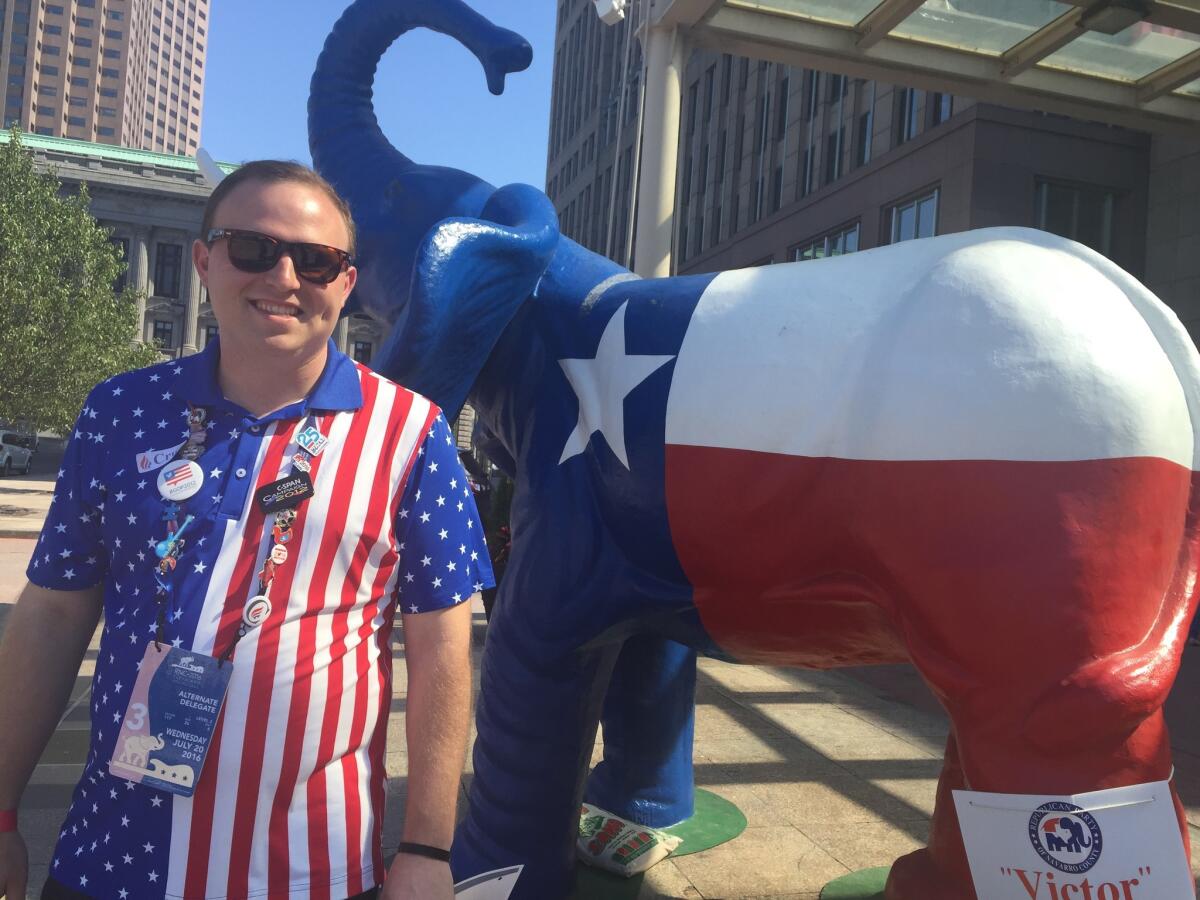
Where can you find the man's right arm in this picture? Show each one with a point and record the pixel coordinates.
(45, 638)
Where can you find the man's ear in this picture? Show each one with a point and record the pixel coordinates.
(200, 260)
(351, 280)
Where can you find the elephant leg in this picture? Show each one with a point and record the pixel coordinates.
(536, 718)
(1067, 720)
(648, 722)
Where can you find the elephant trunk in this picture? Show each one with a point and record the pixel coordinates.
(342, 127)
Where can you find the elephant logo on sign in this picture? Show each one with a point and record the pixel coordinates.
(1078, 840)
(138, 747)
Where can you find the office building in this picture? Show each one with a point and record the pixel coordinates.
(778, 162)
(123, 72)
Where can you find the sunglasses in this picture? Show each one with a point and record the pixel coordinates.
(250, 251)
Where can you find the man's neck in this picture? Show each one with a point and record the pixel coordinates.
(264, 382)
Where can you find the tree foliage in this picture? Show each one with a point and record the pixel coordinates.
(62, 328)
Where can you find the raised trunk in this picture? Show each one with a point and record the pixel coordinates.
(341, 116)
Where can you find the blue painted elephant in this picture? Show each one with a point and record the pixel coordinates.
(977, 452)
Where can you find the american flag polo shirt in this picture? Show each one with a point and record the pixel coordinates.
(290, 800)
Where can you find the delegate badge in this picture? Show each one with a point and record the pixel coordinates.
(170, 720)
(180, 480)
(285, 493)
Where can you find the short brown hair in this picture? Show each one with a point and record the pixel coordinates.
(274, 171)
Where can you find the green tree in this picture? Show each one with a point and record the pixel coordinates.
(62, 328)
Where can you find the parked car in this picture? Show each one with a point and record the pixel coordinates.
(16, 452)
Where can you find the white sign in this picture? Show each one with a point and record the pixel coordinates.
(1118, 844)
(494, 885)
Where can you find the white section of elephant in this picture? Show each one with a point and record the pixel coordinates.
(1007, 344)
(181, 774)
(137, 747)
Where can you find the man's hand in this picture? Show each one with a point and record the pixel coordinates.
(417, 878)
(14, 866)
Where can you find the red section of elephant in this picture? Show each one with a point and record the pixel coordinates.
(1045, 603)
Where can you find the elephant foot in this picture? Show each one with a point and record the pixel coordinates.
(917, 876)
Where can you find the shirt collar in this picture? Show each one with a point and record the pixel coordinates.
(337, 389)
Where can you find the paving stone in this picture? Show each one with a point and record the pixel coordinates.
(772, 859)
(863, 845)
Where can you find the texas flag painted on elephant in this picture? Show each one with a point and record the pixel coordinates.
(887, 423)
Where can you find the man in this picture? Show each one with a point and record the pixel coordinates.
(254, 512)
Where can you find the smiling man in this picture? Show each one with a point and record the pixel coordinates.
(248, 520)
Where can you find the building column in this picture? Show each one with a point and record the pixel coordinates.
(192, 288)
(341, 334)
(660, 142)
(139, 276)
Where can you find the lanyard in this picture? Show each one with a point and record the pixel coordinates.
(177, 481)
(309, 444)
(181, 479)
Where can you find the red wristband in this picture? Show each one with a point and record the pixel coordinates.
(8, 820)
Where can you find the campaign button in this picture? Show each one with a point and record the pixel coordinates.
(279, 554)
(312, 440)
(180, 480)
(300, 463)
(256, 610)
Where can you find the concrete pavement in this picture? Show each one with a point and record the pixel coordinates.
(834, 771)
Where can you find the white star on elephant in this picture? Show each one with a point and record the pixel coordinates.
(602, 384)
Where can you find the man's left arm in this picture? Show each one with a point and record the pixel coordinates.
(437, 652)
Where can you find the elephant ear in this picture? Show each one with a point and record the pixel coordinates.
(470, 277)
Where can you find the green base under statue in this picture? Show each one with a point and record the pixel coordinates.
(865, 885)
(714, 822)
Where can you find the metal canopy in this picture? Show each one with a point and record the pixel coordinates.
(1130, 62)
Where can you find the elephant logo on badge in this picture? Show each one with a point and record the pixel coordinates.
(1065, 836)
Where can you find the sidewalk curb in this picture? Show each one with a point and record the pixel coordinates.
(32, 534)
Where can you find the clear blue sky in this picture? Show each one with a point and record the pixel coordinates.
(430, 93)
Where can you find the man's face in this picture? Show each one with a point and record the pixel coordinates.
(275, 311)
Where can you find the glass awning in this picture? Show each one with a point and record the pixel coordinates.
(1131, 62)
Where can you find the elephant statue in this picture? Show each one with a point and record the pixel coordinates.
(137, 747)
(976, 452)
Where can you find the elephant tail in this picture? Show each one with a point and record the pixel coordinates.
(341, 112)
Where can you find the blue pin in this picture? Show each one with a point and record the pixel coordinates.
(163, 547)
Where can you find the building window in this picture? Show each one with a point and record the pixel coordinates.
(907, 124)
(166, 270)
(913, 218)
(164, 334)
(1081, 212)
(52, 50)
(210, 334)
(837, 243)
(104, 131)
(76, 121)
(942, 107)
(362, 352)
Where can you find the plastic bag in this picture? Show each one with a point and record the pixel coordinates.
(618, 845)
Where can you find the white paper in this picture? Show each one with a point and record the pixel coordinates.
(494, 885)
(1118, 844)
